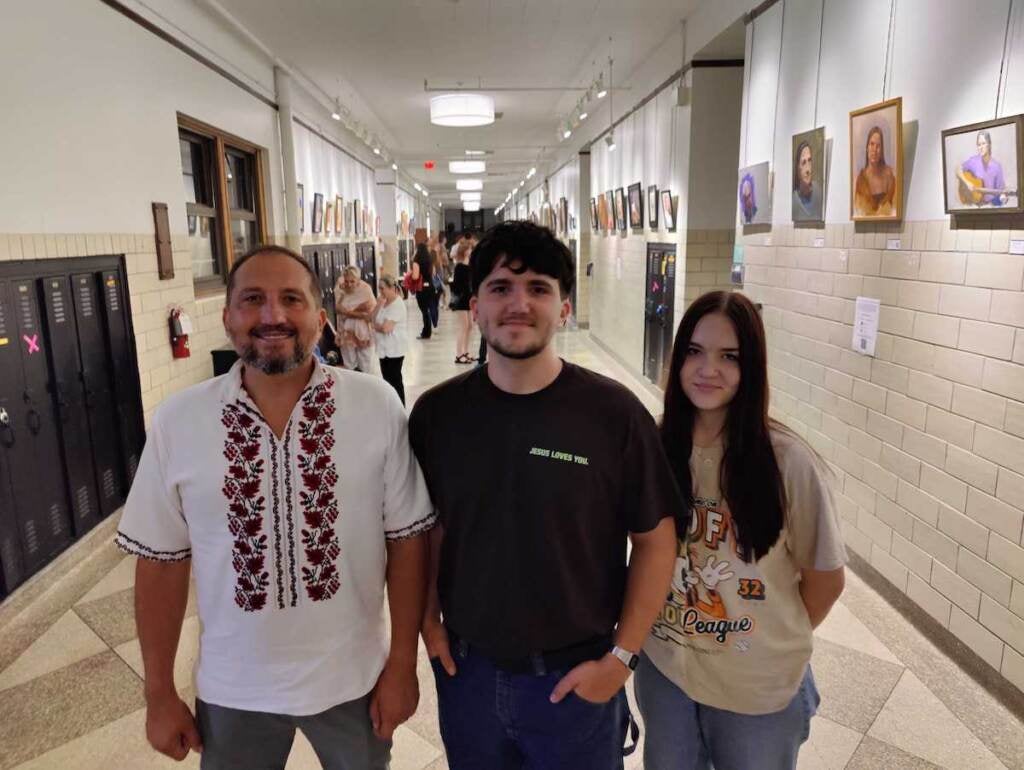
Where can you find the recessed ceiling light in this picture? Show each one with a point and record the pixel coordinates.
(468, 184)
(462, 110)
(467, 167)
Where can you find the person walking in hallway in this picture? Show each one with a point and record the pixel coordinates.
(290, 490)
(389, 323)
(460, 305)
(539, 470)
(355, 303)
(423, 270)
(724, 680)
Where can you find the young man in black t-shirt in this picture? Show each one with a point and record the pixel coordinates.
(540, 471)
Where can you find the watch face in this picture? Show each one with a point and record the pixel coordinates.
(633, 662)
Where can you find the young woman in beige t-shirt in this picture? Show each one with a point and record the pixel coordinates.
(725, 679)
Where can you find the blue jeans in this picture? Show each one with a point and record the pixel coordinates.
(494, 720)
(681, 734)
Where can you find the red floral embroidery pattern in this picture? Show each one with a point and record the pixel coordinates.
(319, 505)
(242, 485)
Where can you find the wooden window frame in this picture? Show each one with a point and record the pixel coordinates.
(222, 141)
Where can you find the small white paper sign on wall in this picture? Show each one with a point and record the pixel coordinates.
(865, 325)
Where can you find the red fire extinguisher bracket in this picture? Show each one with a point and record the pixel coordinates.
(180, 328)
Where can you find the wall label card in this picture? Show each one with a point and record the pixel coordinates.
(1017, 246)
(894, 243)
(865, 325)
(819, 243)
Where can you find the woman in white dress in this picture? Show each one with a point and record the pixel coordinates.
(353, 299)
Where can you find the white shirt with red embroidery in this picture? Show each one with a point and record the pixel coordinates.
(286, 535)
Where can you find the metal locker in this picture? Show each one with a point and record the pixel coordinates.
(98, 391)
(12, 561)
(127, 399)
(65, 386)
(36, 467)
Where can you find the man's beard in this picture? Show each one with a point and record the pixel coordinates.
(517, 355)
(275, 364)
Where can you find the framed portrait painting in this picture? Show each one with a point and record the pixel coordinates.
(328, 216)
(876, 162)
(302, 208)
(982, 167)
(339, 213)
(809, 176)
(318, 213)
(753, 195)
(357, 213)
(636, 206)
(610, 208)
(620, 209)
(668, 210)
(563, 208)
(652, 206)
(595, 223)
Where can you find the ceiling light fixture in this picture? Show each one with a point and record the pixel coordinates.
(476, 152)
(533, 170)
(473, 206)
(465, 185)
(567, 133)
(336, 112)
(376, 150)
(394, 167)
(583, 115)
(610, 141)
(467, 167)
(473, 196)
(417, 186)
(462, 110)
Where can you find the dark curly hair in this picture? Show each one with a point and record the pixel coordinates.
(526, 246)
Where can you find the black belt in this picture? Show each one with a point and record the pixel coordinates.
(539, 663)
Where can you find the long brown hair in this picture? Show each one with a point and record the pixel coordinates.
(750, 479)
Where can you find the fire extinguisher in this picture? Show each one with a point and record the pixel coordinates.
(181, 327)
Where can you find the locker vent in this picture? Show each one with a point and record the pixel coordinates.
(57, 524)
(112, 300)
(57, 295)
(108, 484)
(85, 296)
(84, 506)
(28, 318)
(3, 320)
(31, 539)
(8, 555)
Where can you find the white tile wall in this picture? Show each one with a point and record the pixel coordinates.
(927, 436)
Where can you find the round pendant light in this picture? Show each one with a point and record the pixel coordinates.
(471, 206)
(461, 110)
(467, 167)
(468, 185)
(469, 197)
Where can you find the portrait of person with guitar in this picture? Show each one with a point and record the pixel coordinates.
(981, 181)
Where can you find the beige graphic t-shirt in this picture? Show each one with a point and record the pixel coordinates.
(734, 635)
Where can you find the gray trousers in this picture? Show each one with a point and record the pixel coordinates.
(342, 738)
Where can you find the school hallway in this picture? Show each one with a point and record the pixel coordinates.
(71, 687)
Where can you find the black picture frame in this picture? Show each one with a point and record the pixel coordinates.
(620, 209)
(652, 206)
(595, 225)
(636, 206)
(318, 212)
(356, 217)
(980, 206)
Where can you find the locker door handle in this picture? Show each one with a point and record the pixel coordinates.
(34, 422)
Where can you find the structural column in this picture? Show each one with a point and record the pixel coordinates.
(283, 89)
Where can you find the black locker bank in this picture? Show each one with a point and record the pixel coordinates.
(71, 432)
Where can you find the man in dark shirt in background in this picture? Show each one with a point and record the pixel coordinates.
(540, 471)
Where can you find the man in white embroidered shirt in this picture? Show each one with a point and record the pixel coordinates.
(290, 489)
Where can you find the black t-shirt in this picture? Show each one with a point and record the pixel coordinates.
(460, 280)
(536, 494)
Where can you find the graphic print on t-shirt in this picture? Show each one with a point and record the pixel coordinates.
(707, 574)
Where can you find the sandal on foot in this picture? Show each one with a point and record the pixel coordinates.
(462, 358)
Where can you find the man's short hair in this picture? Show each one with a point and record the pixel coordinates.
(314, 280)
(530, 246)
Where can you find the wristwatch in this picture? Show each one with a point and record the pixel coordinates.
(629, 659)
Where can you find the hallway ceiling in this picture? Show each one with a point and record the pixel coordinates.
(375, 55)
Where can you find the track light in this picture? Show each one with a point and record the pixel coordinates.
(376, 150)
(567, 133)
(583, 115)
(610, 141)
(394, 167)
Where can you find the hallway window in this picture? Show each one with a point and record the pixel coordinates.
(224, 199)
